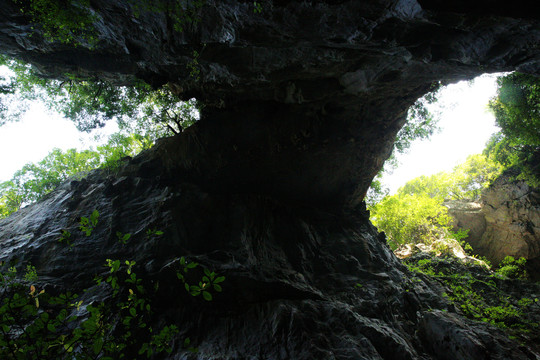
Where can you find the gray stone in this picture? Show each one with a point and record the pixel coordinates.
(512, 212)
(468, 216)
(302, 106)
(505, 223)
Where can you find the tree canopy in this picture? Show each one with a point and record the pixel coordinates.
(90, 103)
(416, 214)
(465, 182)
(517, 111)
(142, 113)
(421, 124)
(517, 108)
(35, 180)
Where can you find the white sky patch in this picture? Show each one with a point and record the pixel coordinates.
(38, 132)
(466, 126)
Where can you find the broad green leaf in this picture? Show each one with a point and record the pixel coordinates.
(207, 296)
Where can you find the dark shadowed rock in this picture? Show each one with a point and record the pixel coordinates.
(313, 91)
(291, 271)
(302, 105)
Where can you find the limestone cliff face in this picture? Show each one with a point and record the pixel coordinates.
(468, 215)
(302, 105)
(512, 213)
(506, 222)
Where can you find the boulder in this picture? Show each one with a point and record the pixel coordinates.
(468, 215)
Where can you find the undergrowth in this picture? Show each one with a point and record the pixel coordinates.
(478, 292)
(38, 324)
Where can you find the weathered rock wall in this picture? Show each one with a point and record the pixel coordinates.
(505, 223)
(302, 105)
(290, 271)
(512, 213)
(468, 216)
(323, 84)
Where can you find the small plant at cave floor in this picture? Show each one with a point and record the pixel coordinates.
(257, 7)
(87, 224)
(66, 237)
(153, 233)
(36, 325)
(34, 329)
(193, 66)
(123, 238)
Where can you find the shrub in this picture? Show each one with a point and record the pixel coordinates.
(512, 268)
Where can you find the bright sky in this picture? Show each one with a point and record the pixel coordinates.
(31, 139)
(466, 126)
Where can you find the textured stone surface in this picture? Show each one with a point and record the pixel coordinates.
(319, 88)
(290, 272)
(302, 105)
(468, 215)
(512, 212)
(506, 222)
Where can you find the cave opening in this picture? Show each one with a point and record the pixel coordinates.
(247, 232)
(455, 180)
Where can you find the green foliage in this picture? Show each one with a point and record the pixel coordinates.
(182, 13)
(123, 238)
(377, 191)
(477, 295)
(257, 7)
(421, 124)
(409, 218)
(72, 21)
(465, 181)
(67, 21)
(66, 237)
(193, 66)
(34, 181)
(90, 103)
(517, 108)
(512, 268)
(153, 232)
(415, 214)
(522, 161)
(37, 325)
(517, 111)
(87, 225)
(210, 281)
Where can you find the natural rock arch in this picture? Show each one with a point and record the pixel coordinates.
(303, 102)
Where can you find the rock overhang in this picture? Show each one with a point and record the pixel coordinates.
(311, 95)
